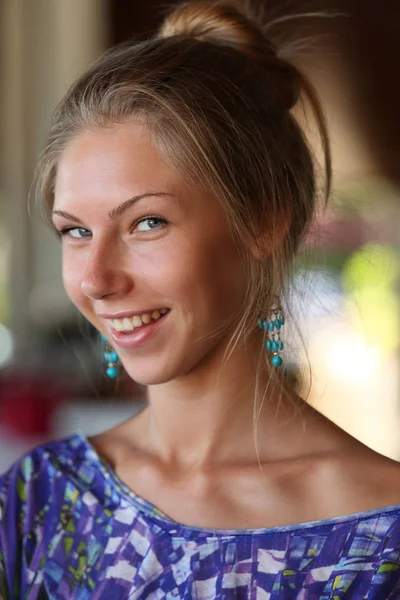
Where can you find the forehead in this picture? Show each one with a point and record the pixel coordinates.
(97, 162)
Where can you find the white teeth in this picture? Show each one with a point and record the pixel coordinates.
(128, 324)
(118, 325)
(137, 321)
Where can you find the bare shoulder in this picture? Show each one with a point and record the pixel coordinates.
(379, 471)
(361, 479)
(346, 475)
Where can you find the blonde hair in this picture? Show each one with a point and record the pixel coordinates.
(217, 96)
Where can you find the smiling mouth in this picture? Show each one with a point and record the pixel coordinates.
(136, 337)
(129, 324)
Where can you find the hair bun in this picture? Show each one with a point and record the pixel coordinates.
(225, 23)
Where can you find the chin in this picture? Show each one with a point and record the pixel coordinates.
(152, 375)
(147, 372)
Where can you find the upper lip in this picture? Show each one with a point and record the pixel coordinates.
(127, 313)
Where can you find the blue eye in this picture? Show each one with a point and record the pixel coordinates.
(68, 232)
(145, 225)
(153, 223)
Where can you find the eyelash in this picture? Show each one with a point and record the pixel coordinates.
(64, 232)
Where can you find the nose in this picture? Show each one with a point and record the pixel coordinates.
(105, 274)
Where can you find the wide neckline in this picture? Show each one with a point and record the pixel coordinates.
(174, 527)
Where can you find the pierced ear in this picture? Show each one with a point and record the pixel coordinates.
(271, 237)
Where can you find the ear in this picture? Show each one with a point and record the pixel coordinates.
(271, 236)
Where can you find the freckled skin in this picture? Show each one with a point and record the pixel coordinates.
(191, 450)
(192, 266)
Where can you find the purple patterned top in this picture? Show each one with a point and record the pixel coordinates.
(70, 529)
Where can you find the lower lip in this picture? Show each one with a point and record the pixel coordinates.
(137, 336)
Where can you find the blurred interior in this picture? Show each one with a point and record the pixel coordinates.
(52, 379)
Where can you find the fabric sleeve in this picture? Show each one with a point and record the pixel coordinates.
(10, 516)
(4, 591)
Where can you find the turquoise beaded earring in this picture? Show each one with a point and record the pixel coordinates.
(272, 326)
(111, 358)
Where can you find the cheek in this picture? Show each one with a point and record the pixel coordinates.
(225, 276)
(72, 277)
(226, 282)
(205, 276)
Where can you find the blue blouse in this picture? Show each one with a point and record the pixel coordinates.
(70, 529)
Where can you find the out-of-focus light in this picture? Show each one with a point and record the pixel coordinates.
(375, 315)
(369, 277)
(372, 265)
(351, 360)
(6, 345)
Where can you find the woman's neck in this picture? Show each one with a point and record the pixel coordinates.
(208, 414)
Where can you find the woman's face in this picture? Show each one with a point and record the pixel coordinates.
(170, 248)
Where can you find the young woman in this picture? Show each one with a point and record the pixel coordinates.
(182, 187)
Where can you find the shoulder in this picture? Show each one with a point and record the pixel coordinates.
(40, 482)
(359, 479)
(40, 467)
(343, 473)
(46, 487)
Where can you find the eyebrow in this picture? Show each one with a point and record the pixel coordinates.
(118, 210)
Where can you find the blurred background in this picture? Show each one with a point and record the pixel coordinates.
(347, 286)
